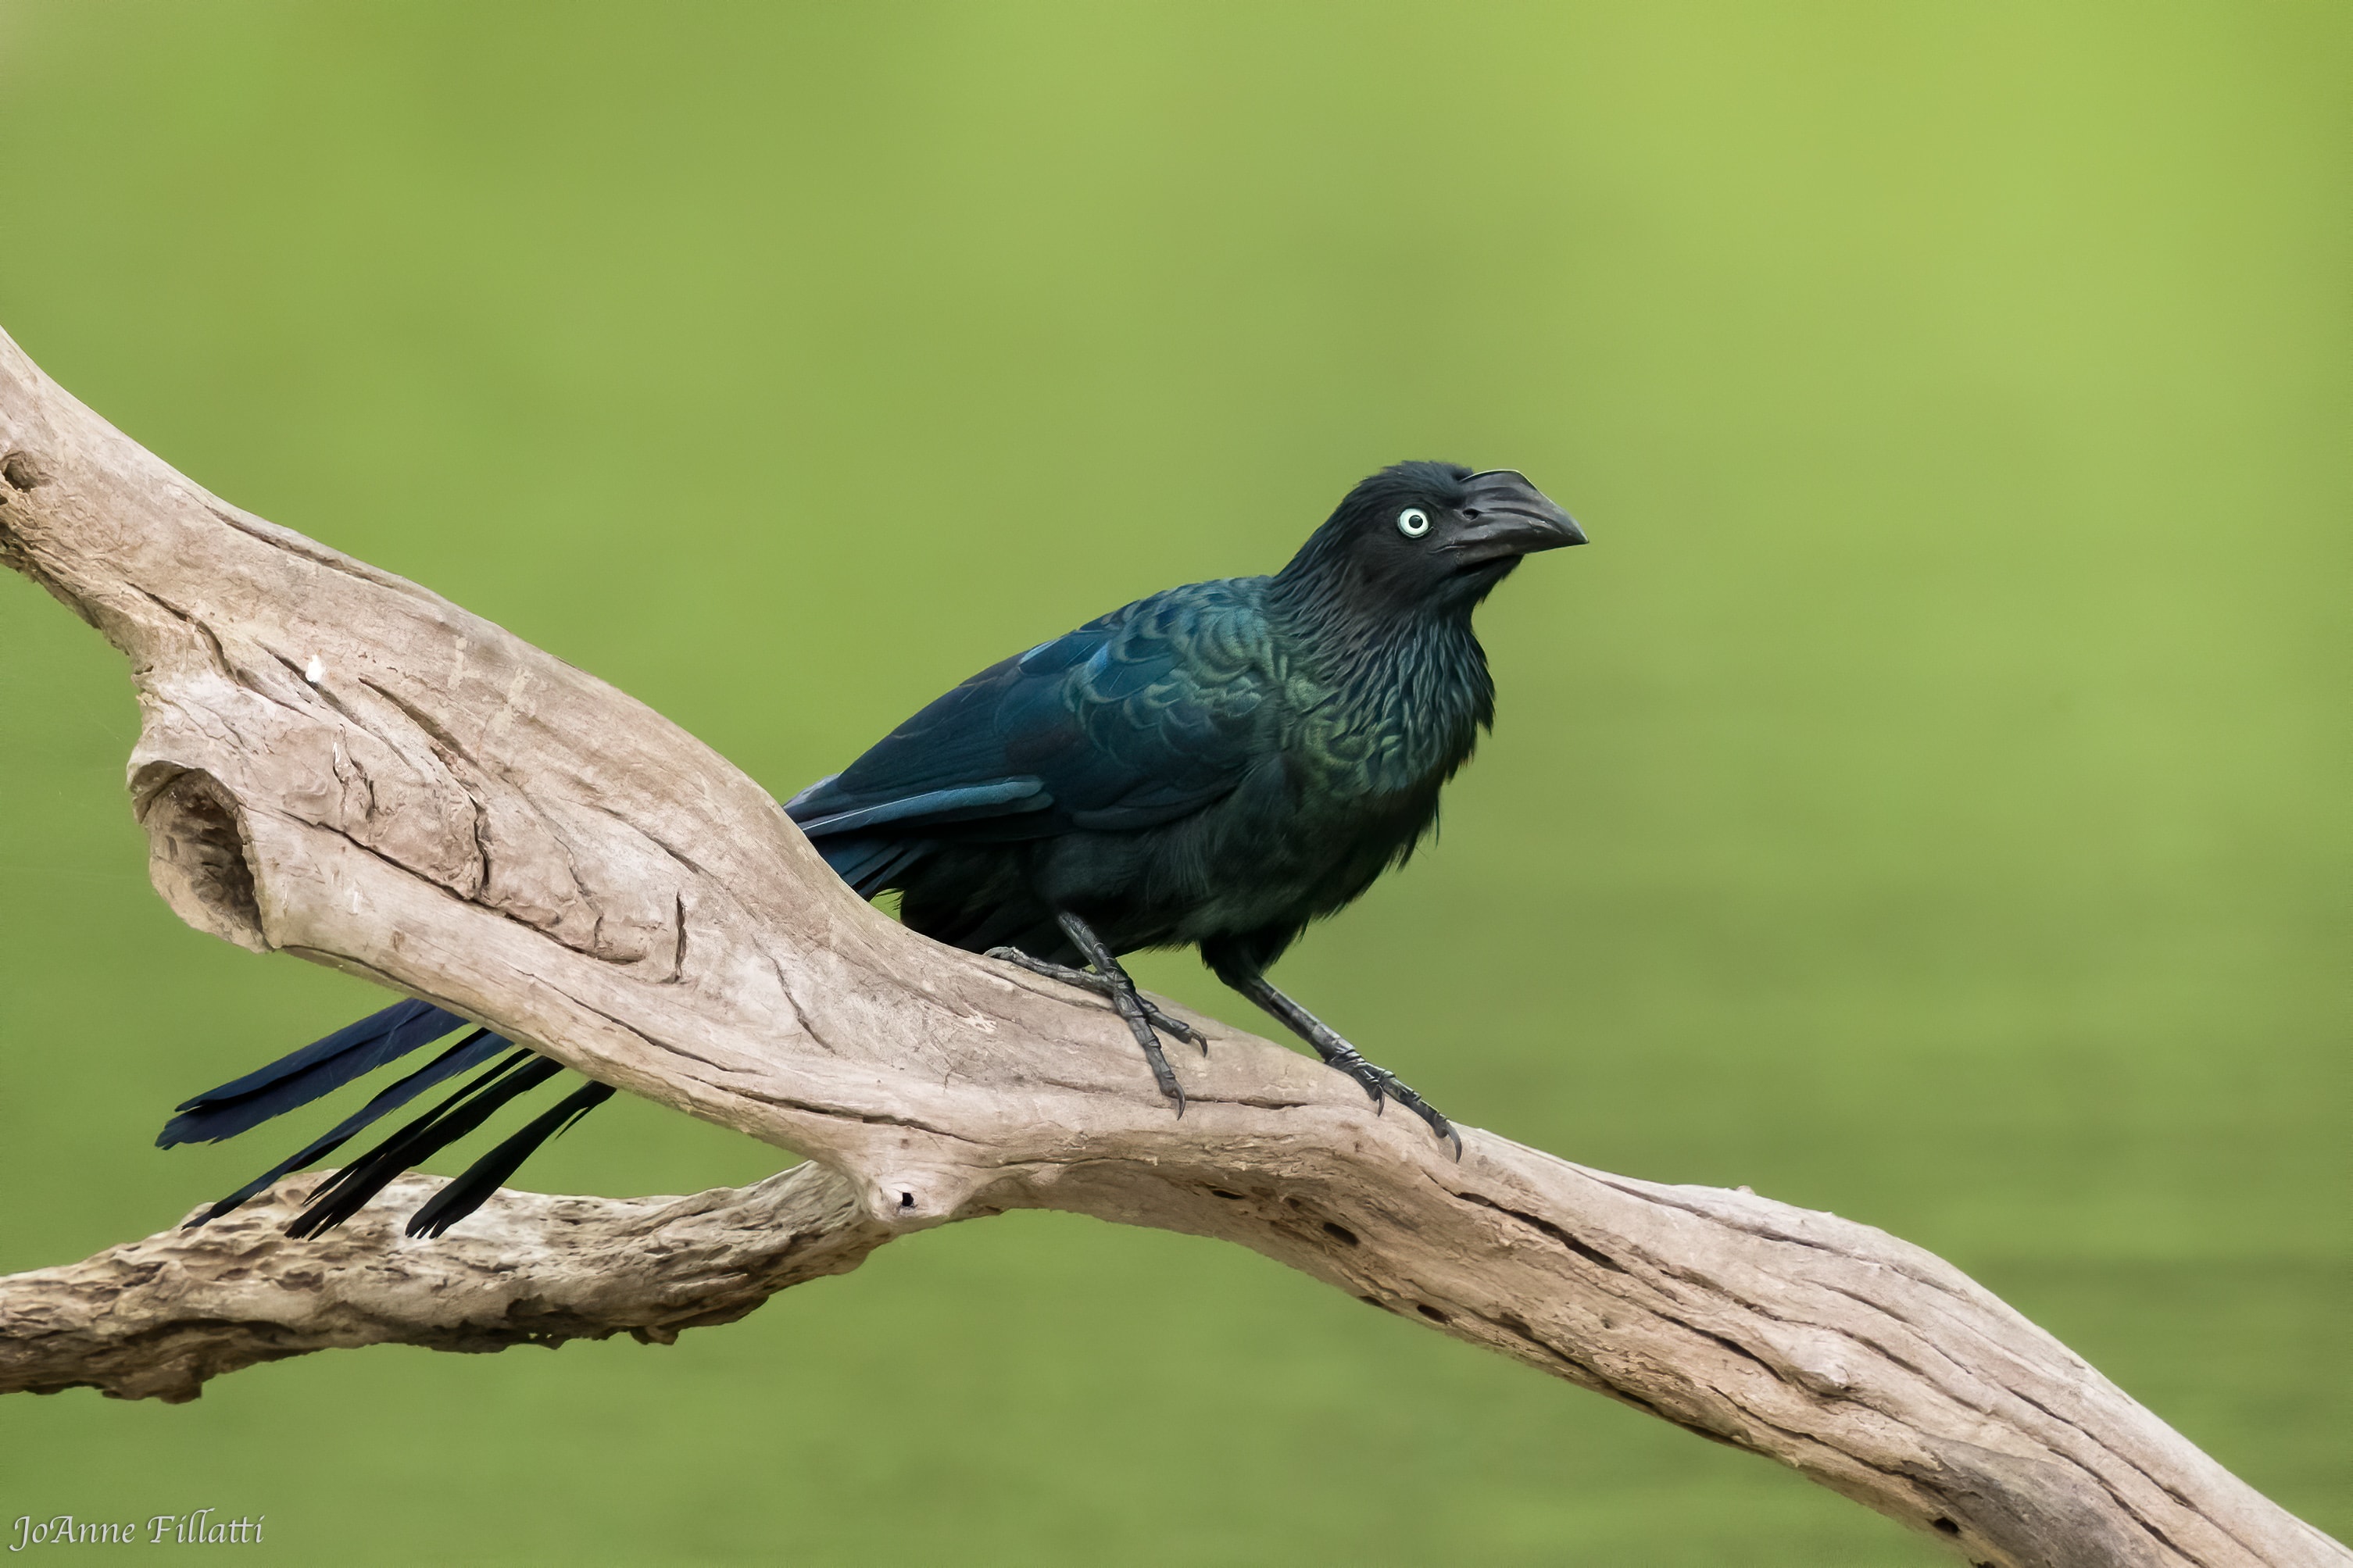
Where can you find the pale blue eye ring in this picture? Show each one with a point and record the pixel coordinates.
(1413, 523)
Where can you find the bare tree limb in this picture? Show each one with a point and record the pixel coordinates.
(336, 763)
(156, 1318)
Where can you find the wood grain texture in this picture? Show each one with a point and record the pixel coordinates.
(337, 764)
(157, 1319)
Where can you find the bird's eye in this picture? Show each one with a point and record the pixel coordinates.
(1413, 523)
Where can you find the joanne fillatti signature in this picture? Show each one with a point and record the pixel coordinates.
(202, 1528)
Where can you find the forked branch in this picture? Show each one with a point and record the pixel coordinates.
(339, 764)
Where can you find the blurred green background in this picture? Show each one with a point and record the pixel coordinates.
(1920, 803)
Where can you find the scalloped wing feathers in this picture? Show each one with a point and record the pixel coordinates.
(1134, 719)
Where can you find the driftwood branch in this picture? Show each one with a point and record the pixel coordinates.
(156, 1318)
(337, 764)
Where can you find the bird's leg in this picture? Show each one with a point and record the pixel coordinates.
(1125, 1002)
(1087, 980)
(1377, 1081)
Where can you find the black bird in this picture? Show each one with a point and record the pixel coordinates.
(1215, 766)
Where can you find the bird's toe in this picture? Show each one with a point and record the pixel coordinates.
(1184, 1031)
(1433, 1116)
(1384, 1085)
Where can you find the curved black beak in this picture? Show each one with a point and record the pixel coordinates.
(1509, 515)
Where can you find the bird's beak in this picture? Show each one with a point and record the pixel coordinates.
(1512, 517)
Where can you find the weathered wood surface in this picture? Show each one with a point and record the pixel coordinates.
(157, 1319)
(339, 764)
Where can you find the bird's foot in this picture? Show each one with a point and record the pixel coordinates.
(1381, 1083)
(1243, 974)
(1110, 980)
(1087, 980)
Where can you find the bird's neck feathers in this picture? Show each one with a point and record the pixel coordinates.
(1356, 618)
(1408, 665)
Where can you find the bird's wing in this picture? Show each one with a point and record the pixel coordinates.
(1131, 721)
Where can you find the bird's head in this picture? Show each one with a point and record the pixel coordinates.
(1432, 536)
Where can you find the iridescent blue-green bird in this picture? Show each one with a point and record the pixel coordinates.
(1214, 766)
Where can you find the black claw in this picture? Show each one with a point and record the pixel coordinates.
(1384, 1086)
(1440, 1125)
(1368, 1076)
(1392, 1087)
(1177, 1026)
(1445, 1130)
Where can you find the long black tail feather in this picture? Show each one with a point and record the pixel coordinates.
(320, 1068)
(351, 1188)
(468, 1053)
(487, 1174)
